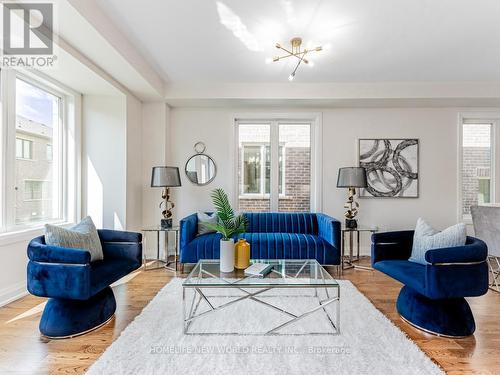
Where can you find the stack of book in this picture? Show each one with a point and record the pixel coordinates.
(258, 269)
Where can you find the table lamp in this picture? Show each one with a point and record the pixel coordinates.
(351, 178)
(166, 177)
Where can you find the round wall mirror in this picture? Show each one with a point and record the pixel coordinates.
(200, 169)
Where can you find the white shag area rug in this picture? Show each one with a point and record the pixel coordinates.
(369, 343)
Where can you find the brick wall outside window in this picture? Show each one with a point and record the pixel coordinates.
(297, 180)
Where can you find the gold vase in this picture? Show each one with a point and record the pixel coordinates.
(242, 254)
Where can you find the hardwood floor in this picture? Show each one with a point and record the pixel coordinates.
(23, 351)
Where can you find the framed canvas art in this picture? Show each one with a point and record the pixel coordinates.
(391, 167)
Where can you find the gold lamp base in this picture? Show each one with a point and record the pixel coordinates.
(352, 210)
(166, 222)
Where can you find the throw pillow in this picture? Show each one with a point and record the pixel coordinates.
(427, 238)
(81, 236)
(206, 218)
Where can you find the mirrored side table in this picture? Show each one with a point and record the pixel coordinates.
(349, 260)
(165, 262)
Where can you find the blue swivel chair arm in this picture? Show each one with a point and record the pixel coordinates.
(458, 271)
(475, 251)
(188, 230)
(329, 230)
(39, 252)
(121, 244)
(392, 245)
(57, 271)
(109, 235)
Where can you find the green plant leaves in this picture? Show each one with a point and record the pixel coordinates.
(228, 224)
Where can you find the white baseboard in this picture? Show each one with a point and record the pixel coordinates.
(12, 293)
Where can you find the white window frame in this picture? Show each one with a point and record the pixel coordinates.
(262, 188)
(492, 118)
(23, 141)
(70, 138)
(314, 119)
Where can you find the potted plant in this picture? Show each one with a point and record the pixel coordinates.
(228, 225)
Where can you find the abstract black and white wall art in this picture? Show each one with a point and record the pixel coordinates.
(391, 167)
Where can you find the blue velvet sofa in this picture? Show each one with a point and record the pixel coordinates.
(433, 296)
(79, 290)
(271, 236)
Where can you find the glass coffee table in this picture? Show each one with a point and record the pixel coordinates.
(291, 281)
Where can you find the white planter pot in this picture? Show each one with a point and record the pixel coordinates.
(227, 255)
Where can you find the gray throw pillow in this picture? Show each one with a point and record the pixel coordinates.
(206, 218)
(427, 238)
(81, 236)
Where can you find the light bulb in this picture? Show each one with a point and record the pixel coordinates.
(291, 77)
(269, 60)
(310, 63)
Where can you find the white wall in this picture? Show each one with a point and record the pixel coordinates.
(215, 129)
(436, 128)
(437, 132)
(112, 161)
(13, 275)
(104, 160)
(134, 185)
(155, 152)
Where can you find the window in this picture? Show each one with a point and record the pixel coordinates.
(256, 169)
(36, 190)
(274, 166)
(37, 116)
(38, 159)
(477, 164)
(253, 169)
(24, 149)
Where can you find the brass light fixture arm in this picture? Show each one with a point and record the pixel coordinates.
(290, 54)
(298, 64)
(295, 51)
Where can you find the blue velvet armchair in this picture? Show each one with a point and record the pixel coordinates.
(272, 235)
(433, 296)
(80, 297)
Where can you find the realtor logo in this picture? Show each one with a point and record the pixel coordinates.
(28, 35)
(34, 37)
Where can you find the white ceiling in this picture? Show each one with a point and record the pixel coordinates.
(368, 41)
(76, 24)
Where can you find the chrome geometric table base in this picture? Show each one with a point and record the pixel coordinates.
(321, 297)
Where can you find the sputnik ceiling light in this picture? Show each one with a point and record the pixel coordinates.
(295, 51)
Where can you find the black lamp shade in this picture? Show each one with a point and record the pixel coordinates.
(352, 177)
(165, 177)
